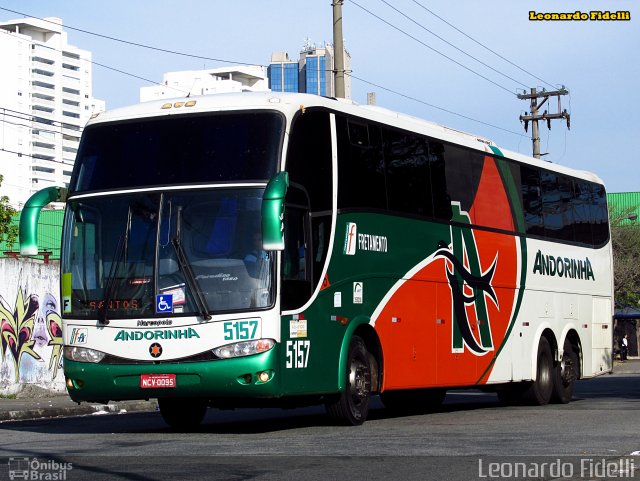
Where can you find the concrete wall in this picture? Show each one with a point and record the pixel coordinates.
(31, 339)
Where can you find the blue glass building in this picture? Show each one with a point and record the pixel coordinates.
(283, 77)
(312, 74)
(315, 75)
(283, 73)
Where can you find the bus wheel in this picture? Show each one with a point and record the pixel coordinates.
(182, 413)
(352, 405)
(539, 391)
(565, 375)
(413, 400)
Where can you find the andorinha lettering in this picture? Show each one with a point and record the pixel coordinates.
(127, 335)
(548, 265)
(370, 242)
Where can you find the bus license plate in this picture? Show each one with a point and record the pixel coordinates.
(157, 381)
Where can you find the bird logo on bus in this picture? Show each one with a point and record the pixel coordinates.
(471, 287)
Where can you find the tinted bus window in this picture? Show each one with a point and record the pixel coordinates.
(463, 171)
(600, 226)
(531, 200)
(408, 175)
(309, 158)
(556, 203)
(179, 149)
(361, 176)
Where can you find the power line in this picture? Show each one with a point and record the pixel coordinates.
(34, 118)
(395, 92)
(452, 45)
(4, 121)
(432, 49)
(93, 62)
(137, 76)
(481, 44)
(128, 42)
(21, 154)
(244, 63)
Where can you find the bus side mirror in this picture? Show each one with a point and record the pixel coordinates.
(28, 230)
(273, 212)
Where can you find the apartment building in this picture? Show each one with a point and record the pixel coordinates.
(240, 78)
(45, 101)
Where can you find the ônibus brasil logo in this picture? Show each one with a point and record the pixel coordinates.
(470, 286)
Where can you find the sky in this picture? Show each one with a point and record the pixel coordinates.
(395, 55)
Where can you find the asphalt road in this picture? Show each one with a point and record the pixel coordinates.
(470, 437)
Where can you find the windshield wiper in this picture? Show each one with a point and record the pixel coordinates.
(185, 267)
(111, 279)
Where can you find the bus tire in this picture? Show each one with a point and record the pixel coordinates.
(539, 391)
(352, 405)
(182, 413)
(565, 375)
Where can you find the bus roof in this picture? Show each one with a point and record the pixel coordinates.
(290, 103)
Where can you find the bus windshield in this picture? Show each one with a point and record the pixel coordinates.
(154, 254)
(179, 149)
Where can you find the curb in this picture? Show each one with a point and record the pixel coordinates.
(76, 410)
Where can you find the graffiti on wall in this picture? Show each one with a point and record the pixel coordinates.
(30, 331)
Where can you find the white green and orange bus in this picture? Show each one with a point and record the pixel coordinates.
(271, 249)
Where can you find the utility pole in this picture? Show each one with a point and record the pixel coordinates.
(535, 116)
(338, 48)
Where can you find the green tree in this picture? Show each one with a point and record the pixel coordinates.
(8, 230)
(625, 241)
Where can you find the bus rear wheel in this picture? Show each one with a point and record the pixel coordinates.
(351, 407)
(182, 413)
(565, 375)
(539, 391)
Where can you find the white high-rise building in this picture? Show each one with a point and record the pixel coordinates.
(45, 101)
(242, 78)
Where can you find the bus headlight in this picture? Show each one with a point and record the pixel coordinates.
(82, 354)
(244, 348)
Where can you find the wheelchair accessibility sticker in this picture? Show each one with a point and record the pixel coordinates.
(164, 303)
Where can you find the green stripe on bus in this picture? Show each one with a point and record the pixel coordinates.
(513, 194)
(496, 150)
(516, 311)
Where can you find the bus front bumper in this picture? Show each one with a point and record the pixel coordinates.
(250, 376)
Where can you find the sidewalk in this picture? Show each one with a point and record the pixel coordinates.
(630, 366)
(36, 403)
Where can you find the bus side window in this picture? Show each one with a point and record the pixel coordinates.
(361, 183)
(408, 174)
(296, 278)
(294, 257)
(320, 232)
(310, 193)
(599, 215)
(531, 200)
(463, 170)
(556, 206)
